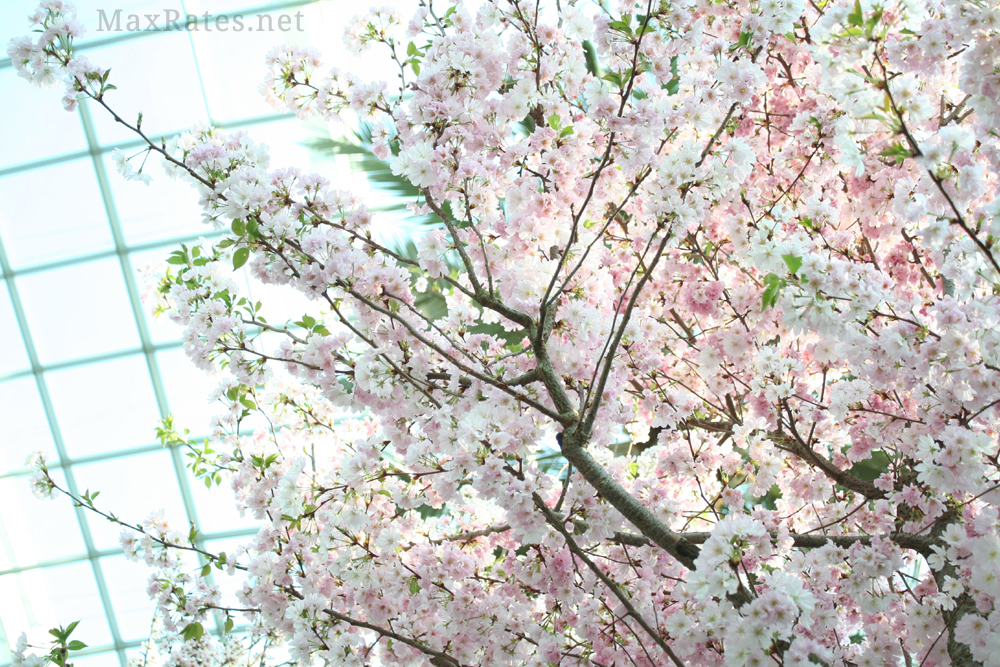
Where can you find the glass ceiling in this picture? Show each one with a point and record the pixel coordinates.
(85, 372)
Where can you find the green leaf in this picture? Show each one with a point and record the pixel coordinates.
(229, 626)
(411, 49)
(206, 570)
(793, 262)
(591, 55)
(554, 121)
(193, 631)
(239, 227)
(415, 66)
(566, 131)
(240, 257)
(613, 77)
(76, 645)
(773, 284)
(414, 586)
(869, 469)
(875, 18)
(856, 17)
(897, 152)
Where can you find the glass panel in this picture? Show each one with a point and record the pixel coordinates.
(78, 311)
(232, 62)
(132, 486)
(229, 586)
(106, 659)
(34, 231)
(166, 208)
(286, 138)
(14, 18)
(127, 588)
(145, 265)
(36, 127)
(37, 600)
(23, 425)
(217, 511)
(220, 6)
(326, 23)
(155, 75)
(14, 357)
(32, 524)
(104, 407)
(281, 303)
(188, 390)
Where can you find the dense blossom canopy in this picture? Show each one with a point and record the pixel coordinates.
(697, 365)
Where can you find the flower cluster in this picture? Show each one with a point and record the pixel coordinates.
(696, 364)
(41, 484)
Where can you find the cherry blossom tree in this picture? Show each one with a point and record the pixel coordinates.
(716, 380)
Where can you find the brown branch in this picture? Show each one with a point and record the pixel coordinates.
(443, 659)
(560, 526)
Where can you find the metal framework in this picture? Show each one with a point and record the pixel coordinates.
(117, 652)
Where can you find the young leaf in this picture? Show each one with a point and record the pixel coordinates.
(793, 262)
(773, 284)
(240, 257)
(856, 17)
(193, 632)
